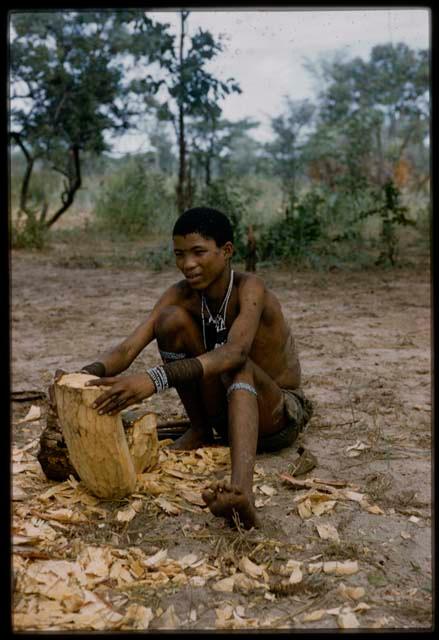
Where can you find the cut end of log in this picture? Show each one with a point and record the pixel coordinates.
(77, 380)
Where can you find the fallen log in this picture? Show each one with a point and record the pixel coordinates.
(105, 457)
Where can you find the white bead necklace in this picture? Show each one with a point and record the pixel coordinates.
(219, 321)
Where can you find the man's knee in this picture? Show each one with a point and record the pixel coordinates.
(170, 321)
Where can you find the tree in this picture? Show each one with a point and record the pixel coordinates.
(379, 107)
(161, 141)
(192, 91)
(286, 148)
(69, 90)
(213, 141)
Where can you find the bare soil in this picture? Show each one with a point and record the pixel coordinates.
(364, 341)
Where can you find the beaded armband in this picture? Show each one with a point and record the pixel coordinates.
(175, 374)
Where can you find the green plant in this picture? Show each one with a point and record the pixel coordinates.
(392, 214)
(134, 201)
(159, 258)
(229, 199)
(292, 236)
(28, 232)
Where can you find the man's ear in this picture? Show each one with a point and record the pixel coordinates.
(228, 249)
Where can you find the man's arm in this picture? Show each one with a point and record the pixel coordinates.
(234, 353)
(119, 358)
(127, 390)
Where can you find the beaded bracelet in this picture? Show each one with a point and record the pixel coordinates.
(159, 378)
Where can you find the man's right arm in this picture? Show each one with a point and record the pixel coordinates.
(119, 358)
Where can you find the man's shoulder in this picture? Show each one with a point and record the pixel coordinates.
(181, 291)
(249, 280)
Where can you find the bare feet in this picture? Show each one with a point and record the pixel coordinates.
(191, 439)
(229, 502)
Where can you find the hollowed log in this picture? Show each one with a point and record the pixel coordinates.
(105, 458)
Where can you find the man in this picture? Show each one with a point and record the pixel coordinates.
(228, 351)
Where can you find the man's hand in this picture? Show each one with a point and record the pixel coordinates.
(123, 392)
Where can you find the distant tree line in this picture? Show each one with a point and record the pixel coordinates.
(79, 77)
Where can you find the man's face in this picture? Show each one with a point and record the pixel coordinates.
(199, 259)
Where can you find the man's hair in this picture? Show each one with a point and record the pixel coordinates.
(209, 223)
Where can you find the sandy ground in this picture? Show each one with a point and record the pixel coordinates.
(364, 340)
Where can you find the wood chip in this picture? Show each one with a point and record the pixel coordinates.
(328, 532)
(354, 593)
(136, 617)
(169, 619)
(313, 616)
(34, 413)
(348, 621)
(225, 585)
(168, 507)
(250, 568)
(267, 490)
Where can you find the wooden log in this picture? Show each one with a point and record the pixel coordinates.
(97, 445)
(53, 455)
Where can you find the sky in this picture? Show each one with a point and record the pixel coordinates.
(265, 50)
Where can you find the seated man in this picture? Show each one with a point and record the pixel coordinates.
(227, 350)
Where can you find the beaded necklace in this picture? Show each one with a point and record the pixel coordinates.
(219, 321)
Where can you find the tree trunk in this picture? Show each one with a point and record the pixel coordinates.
(207, 170)
(181, 185)
(98, 448)
(73, 184)
(250, 264)
(27, 175)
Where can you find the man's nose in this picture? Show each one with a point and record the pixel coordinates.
(189, 263)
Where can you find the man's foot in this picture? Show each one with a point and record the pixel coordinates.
(191, 439)
(230, 502)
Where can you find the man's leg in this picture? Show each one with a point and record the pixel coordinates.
(255, 409)
(177, 334)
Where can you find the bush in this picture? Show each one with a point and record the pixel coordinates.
(27, 233)
(135, 202)
(292, 236)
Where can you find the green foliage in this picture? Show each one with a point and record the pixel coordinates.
(292, 236)
(192, 91)
(286, 149)
(392, 214)
(228, 198)
(158, 258)
(28, 232)
(69, 74)
(375, 110)
(135, 201)
(215, 142)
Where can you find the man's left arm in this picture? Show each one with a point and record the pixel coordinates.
(234, 353)
(228, 357)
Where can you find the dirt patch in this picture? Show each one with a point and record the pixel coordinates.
(364, 340)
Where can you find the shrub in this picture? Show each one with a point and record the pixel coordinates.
(135, 201)
(28, 232)
(292, 236)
